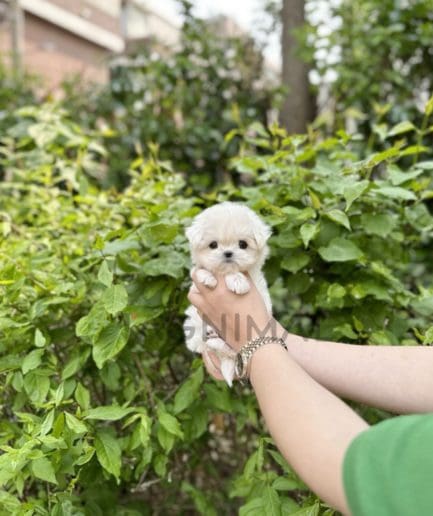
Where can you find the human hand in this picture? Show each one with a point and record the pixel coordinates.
(237, 318)
(212, 364)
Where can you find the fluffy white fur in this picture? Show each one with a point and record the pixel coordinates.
(214, 237)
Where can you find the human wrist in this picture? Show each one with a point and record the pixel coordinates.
(246, 353)
(272, 333)
(263, 357)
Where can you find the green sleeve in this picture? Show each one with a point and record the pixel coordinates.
(388, 469)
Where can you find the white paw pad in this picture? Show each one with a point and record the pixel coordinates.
(237, 283)
(206, 278)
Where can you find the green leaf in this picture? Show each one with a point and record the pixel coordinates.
(202, 504)
(10, 363)
(428, 337)
(378, 224)
(424, 305)
(344, 330)
(71, 368)
(109, 343)
(382, 337)
(115, 299)
(169, 264)
(160, 464)
(157, 233)
(340, 250)
(380, 157)
(398, 177)
(43, 469)
(36, 386)
(40, 340)
(429, 106)
(165, 439)
(43, 133)
(93, 322)
(254, 507)
(32, 360)
(425, 165)
(188, 392)
(218, 397)
(142, 314)
(74, 424)
(308, 232)
(145, 429)
(400, 128)
(254, 463)
(82, 395)
(198, 424)
(285, 484)
(58, 396)
(85, 458)
(295, 261)
(336, 291)
(108, 452)
(109, 413)
(105, 276)
(170, 423)
(47, 423)
(271, 502)
(83, 327)
(419, 217)
(396, 192)
(10, 504)
(339, 217)
(117, 246)
(315, 201)
(312, 510)
(414, 149)
(354, 191)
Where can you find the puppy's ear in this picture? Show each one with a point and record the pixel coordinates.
(194, 233)
(261, 232)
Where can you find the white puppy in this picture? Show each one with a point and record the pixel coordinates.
(228, 238)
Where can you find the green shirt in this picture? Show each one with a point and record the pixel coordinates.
(388, 468)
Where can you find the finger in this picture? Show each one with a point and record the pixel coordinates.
(197, 283)
(211, 363)
(193, 288)
(196, 299)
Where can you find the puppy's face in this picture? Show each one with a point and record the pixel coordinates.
(228, 237)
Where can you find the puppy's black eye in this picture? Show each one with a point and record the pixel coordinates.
(213, 244)
(243, 244)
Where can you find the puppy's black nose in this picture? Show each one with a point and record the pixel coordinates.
(228, 254)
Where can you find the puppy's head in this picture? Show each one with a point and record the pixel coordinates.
(228, 237)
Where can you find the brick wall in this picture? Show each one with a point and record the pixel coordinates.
(91, 13)
(55, 53)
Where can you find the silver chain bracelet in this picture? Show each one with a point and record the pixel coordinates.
(247, 351)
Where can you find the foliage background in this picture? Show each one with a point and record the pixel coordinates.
(105, 411)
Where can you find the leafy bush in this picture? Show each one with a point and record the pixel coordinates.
(105, 410)
(384, 77)
(14, 92)
(352, 237)
(183, 99)
(106, 413)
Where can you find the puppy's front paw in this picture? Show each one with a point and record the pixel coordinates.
(228, 370)
(237, 283)
(226, 356)
(206, 277)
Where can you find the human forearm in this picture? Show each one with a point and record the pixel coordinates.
(311, 427)
(394, 378)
